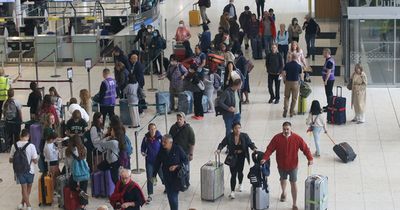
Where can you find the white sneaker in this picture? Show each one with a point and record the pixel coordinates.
(240, 188)
(232, 195)
(20, 206)
(29, 208)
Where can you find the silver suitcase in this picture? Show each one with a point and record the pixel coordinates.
(212, 180)
(259, 198)
(316, 194)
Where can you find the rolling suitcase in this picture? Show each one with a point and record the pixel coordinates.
(204, 103)
(336, 113)
(213, 61)
(35, 133)
(302, 105)
(259, 198)
(316, 192)
(102, 184)
(71, 199)
(45, 187)
(212, 180)
(343, 150)
(4, 144)
(180, 52)
(256, 47)
(194, 16)
(163, 98)
(124, 112)
(185, 102)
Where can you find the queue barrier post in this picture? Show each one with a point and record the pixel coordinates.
(55, 75)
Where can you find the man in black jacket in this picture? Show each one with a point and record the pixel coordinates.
(170, 158)
(230, 105)
(245, 23)
(274, 64)
(137, 69)
(231, 10)
(312, 28)
(218, 39)
(203, 4)
(183, 135)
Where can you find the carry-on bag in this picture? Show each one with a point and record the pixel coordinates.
(194, 16)
(316, 192)
(305, 89)
(204, 103)
(71, 199)
(185, 102)
(213, 61)
(4, 143)
(124, 112)
(256, 47)
(212, 179)
(302, 105)
(336, 113)
(163, 97)
(259, 198)
(179, 51)
(343, 150)
(35, 134)
(45, 187)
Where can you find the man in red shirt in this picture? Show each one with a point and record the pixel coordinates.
(287, 145)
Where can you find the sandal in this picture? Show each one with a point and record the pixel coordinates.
(283, 197)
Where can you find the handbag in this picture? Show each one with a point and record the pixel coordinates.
(311, 127)
(350, 84)
(231, 160)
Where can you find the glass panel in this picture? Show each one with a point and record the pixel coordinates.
(376, 50)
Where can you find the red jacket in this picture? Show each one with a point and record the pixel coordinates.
(273, 28)
(287, 151)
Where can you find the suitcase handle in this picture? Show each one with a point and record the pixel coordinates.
(330, 138)
(218, 160)
(194, 6)
(309, 170)
(337, 91)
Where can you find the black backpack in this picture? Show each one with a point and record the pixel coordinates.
(20, 160)
(208, 3)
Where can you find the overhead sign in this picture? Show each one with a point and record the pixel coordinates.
(90, 18)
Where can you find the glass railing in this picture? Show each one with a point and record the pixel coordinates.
(374, 3)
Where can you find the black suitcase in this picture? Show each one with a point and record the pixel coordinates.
(336, 113)
(256, 47)
(344, 151)
(5, 144)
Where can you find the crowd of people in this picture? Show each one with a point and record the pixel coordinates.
(169, 155)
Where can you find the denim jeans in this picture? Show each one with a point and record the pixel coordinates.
(310, 42)
(316, 133)
(267, 43)
(149, 174)
(229, 120)
(172, 195)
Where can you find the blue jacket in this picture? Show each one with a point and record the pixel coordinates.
(138, 70)
(151, 146)
(205, 41)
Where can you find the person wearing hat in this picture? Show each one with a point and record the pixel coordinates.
(195, 84)
(183, 135)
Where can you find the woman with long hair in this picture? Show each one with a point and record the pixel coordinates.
(238, 145)
(316, 123)
(76, 150)
(85, 100)
(56, 100)
(359, 93)
(46, 108)
(300, 58)
(231, 74)
(112, 145)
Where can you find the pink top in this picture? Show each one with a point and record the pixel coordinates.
(182, 34)
(300, 57)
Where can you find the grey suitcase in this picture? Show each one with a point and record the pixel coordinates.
(316, 192)
(204, 103)
(163, 98)
(185, 102)
(259, 198)
(124, 112)
(212, 180)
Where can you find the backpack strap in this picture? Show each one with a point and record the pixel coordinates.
(21, 148)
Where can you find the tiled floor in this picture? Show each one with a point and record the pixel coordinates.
(371, 182)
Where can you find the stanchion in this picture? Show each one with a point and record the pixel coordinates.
(90, 86)
(55, 75)
(152, 89)
(70, 88)
(165, 29)
(137, 170)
